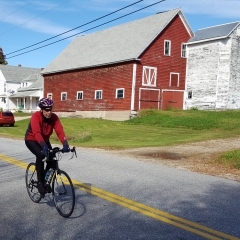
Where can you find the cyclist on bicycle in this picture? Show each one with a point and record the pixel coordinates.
(38, 134)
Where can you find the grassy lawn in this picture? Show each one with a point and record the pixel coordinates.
(150, 128)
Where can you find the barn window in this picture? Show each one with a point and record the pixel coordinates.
(149, 76)
(120, 93)
(98, 94)
(80, 95)
(189, 94)
(167, 47)
(174, 80)
(49, 95)
(63, 96)
(184, 50)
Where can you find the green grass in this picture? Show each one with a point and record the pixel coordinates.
(231, 158)
(21, 114)
(150, 128)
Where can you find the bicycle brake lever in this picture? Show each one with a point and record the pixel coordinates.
(73, 150)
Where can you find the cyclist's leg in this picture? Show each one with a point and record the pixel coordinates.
(36, 149)
(50, 164)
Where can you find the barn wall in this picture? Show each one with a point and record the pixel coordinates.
(208, 74)
(234, 87)
(107, 79)
(154, 57)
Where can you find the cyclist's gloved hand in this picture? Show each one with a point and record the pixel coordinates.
(66, 148)
(45, 150)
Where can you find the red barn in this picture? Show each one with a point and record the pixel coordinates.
(115, 72)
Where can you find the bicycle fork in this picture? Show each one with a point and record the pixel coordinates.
(58, 188)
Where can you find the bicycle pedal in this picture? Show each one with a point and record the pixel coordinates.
(42, 195)
(48, 189)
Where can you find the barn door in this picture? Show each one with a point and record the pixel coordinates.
(173, 99)
(149, 98)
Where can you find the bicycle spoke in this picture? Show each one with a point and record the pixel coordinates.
(63, 194)
(31, 183)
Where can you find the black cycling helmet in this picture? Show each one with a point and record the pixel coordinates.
(45, 103)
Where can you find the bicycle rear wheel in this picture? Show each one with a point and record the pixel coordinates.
(63, 193)
(31, 183)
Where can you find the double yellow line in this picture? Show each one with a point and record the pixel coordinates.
(141, 208)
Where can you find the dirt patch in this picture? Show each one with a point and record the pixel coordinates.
(197, 157)
(21, 118)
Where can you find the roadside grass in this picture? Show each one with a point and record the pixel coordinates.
(149, 128)
(231, 159)
(21, 114)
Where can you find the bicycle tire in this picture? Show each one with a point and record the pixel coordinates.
(63, 193)
(31, 183)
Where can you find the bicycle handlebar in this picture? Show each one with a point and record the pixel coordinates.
(56, 150)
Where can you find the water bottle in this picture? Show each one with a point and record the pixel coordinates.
(48, 175)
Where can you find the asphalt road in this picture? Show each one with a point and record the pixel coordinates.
(124, 199)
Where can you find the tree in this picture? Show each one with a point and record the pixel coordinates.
(2, 58)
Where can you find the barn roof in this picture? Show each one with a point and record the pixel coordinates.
(215, 32)
(121, 43)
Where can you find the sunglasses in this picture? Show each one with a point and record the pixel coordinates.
(47, 109)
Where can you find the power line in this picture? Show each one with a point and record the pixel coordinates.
(76, 27)
(33, 18)
(89, 29)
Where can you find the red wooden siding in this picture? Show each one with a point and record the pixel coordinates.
(107, 79)
(154, 57)
(172, 99)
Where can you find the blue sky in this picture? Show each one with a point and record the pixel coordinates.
(27, 22)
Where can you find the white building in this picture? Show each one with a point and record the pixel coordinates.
(11, 78)
(27, 96)
(213, 68)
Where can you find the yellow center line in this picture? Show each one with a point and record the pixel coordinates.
(141, 208)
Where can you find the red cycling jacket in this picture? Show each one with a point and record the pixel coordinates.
(40, 129)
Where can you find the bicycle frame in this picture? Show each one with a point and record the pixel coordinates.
(59, 184)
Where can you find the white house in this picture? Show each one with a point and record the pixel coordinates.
(27, 96)
(11, 78)
(213, 68)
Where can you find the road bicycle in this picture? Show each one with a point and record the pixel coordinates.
(58, 183)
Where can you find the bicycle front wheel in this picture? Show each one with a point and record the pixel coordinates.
(63, 193)
(31, 183)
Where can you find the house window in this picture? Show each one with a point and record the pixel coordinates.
(174, 80)
(5, 87)
(184, 50)
(49, 95)
(63, 96)
(98, 94)
(167, 48)
(80, 95)
(149, 76)
(120, 93)
(189, 94)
